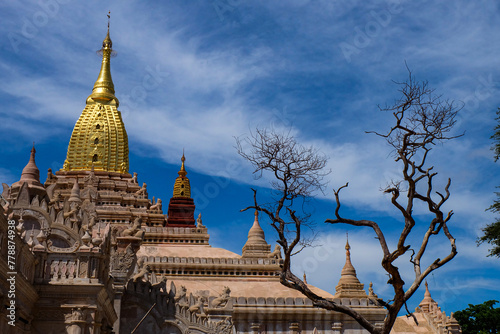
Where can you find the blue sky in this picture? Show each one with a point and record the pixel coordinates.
(196, 74)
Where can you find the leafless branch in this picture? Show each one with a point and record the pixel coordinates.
(421, 121)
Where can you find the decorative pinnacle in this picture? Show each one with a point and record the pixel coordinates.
(75, 193)
(107, 44)
(182, 172)
(427, 292)
(256, 234)
(30, 173)
(348, 269)
(182, 187)
(104, 88)
(427, 297)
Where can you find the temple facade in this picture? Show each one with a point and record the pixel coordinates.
(93, 254)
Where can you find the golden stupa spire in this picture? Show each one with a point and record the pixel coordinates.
(182, 172)
(104, 89)
(99, 139)
(182, 187)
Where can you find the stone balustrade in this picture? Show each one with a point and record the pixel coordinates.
(203, 260)
(72, 268)
(175, 230)
(298, 301)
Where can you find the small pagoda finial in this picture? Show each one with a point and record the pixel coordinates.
(256, 244)
(427, 301)
(427, 292)
(348, 267)
(349, 285)
(305, 278)
(371, 293)
(183, 172)
(182, 188)
(30, 173)
(75, 193)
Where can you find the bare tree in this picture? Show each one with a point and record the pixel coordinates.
(298, 172)
(422, 120)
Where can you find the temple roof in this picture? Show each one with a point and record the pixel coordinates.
(180, 250)
(248, 287)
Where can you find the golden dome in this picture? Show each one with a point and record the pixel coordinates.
(99, 139)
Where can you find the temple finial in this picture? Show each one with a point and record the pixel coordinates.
(30, 173)
(182, 172)
(75, 193)
(182, 187)
(427, 301)
(427, 292)
(256, 245)
(107, 40)
(181, 207)
(349, 285)
(104, 89)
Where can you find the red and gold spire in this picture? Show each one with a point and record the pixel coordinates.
(182, 187)
(181, 206)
